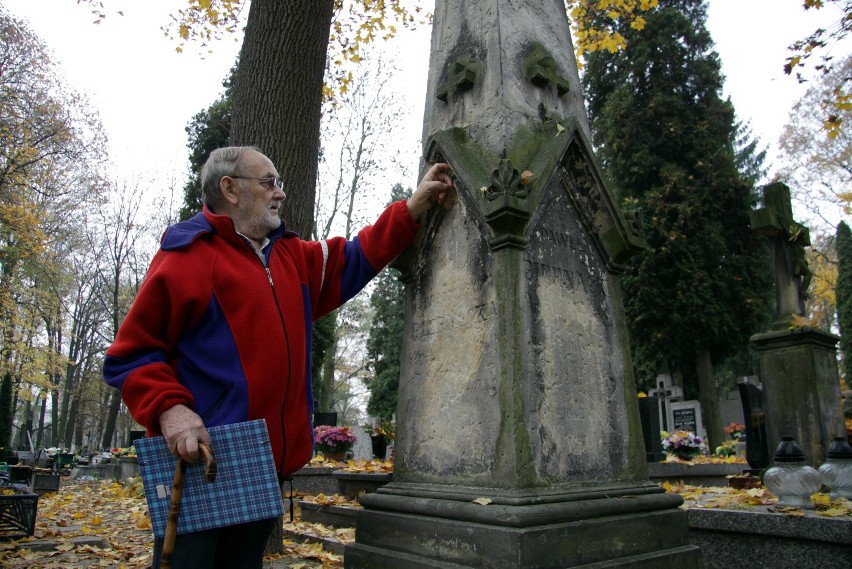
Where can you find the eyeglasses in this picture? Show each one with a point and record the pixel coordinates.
(269, 183)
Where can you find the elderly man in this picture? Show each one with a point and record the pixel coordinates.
(220, 331)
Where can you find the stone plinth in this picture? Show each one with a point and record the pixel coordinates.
(336, 516)
(801, 389)
(520, 529)
(103, 471)
(694, 474)
(128, 467)
(314, 480)
(353, 484)
(760, 538)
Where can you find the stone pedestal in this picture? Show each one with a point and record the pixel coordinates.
(418, 526)
(801, 389)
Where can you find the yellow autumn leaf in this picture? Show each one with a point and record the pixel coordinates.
(821, 500)
(66, 546)
(143, 523)
(835, 512)
(482, 501)
(792, 512)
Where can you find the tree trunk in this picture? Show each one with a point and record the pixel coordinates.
(278, 95)
(709, 398)
(55, 433)
(71, 424)
(109, 428)
(325, 401)
(41, 414)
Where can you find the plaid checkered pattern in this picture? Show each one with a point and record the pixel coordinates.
(246, 486)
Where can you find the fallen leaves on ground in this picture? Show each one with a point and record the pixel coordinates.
(312, 551)
(117, 513)
(319, 461)
(109, 510)
(732, 498)
(360, 465)
(341, 535)
(706, 459)
(331, 500)
(375, 466)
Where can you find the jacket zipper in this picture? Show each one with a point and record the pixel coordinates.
(289, 359)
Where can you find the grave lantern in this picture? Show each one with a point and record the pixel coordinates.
(836, 473)
(790, 478)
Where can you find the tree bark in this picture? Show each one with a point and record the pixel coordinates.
(278, 95)
(112, 416)
(709, 398)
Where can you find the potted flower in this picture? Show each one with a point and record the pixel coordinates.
(684, 445)
(333, 442)
(727, 448)
(735, 431)
(380, 436)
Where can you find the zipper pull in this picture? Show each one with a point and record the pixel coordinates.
(269, 276)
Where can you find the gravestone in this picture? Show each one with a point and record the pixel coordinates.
(798, 364)
(363, 449)
(731, 408)
(649, 416)
(757, 444)
(325, 418)
(667, 394)
(686, 416)
(518, 435)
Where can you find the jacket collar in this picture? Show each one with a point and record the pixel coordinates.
(205, 222)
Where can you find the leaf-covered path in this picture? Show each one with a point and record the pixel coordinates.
(106, 525)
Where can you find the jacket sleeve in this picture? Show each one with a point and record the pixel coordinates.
(339, 269)
(139, 362)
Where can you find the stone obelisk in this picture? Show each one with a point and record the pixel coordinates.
(518, 437)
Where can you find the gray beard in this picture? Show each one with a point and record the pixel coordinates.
(259, 226)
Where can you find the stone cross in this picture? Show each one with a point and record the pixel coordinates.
(789, 239)
(519, 441)
(798, 365)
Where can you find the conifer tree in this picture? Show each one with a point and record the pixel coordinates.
(384, 345)
(208, 130)
(844, 293)
(666, 139)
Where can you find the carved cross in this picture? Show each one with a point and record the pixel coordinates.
(789, 239)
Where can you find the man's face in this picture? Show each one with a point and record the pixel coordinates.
(257, 209)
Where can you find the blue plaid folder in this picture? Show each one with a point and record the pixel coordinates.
(246, 486)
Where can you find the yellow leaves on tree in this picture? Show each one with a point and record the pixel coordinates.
(593, 22)
(822, 260)
(821, 41)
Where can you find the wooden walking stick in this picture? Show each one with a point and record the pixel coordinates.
(177, 494)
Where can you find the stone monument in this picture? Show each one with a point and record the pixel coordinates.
(518, 435)
(798, 365)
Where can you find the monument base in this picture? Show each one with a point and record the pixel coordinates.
(414, 526)
(801, 389)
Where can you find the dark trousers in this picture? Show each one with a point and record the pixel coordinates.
(231, 547)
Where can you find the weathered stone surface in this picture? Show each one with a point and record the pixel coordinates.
(760, 538)
(801, 389)
(518, 438)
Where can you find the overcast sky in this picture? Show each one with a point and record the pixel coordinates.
(146, 93)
